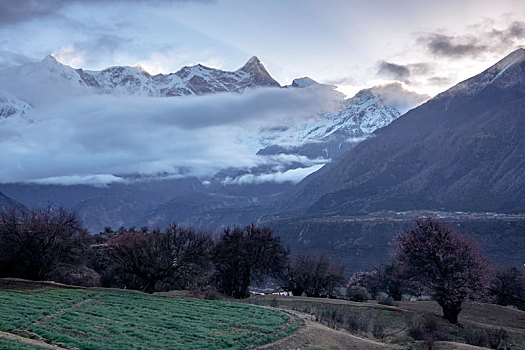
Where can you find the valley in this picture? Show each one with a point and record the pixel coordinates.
(362, 241)
(301, 174)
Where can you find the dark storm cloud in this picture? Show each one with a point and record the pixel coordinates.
(395, 71)
(441, 80)
(483, 38)
(451, 46)
(402, 72)
(22, 10)
(16, 11)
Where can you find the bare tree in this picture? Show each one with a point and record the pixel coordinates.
(317, 276)
(449, 264)
(392, 278)
(38, 242)
(508, 287)
(246, 255)
(175, 257)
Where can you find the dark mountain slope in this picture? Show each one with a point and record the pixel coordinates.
(462, 150)
(7, 203)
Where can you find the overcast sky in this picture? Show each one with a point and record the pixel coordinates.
(426, 45)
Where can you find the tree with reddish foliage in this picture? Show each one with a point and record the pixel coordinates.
(36, 244)
(174, 257)
(448, 264)
(316, 276)
(246, 255)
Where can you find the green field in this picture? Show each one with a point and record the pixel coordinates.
(100, 319)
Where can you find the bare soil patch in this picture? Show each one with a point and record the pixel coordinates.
(32, 286)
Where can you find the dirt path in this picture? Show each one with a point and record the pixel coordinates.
(63, 311)
(38, 343)
(312, 334)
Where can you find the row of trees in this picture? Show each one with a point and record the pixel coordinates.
(41, 243)
(50, 243)
(430, 259)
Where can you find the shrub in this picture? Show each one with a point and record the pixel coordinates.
(356, 323)
(385, 299)
(358, 294)
(331, 316)
(476, 337)
(378, 329)
(493, 338)
(274, 303)
(428, 329)
(497, 338)
(206, 292)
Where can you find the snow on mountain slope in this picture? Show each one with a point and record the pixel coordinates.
(462, 150)
(491, 75)
(42, 81)
(300, 148)
(303, 82)
(300, 138)
(330, 134)
(134, 81)
(10, 106)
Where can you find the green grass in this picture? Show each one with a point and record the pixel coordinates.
(127, 320)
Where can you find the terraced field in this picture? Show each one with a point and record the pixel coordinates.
(107, 319)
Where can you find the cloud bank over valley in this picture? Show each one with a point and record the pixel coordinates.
(103, 138)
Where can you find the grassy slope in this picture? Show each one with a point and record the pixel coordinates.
(395, 320)
(104, 319)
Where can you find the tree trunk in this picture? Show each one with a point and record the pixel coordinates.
(297, 292)
(451, 312)
(149, 286)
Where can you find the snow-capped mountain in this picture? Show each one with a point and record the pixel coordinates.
(190, 80)
(11, 106)
(326, 135)
(295, 147)
(461, 150)
(330, 134)
(134, 81)
(495, 75)
(289, 148)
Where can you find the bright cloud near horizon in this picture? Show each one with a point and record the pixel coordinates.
(427, 46)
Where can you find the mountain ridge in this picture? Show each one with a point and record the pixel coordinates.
(419, 159)
(126, 80)
(7, 203)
